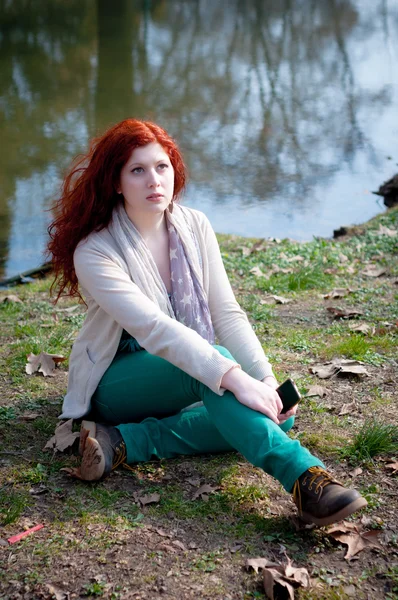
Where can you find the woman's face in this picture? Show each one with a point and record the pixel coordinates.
(147, 180)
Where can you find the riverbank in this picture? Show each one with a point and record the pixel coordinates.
(105, 540)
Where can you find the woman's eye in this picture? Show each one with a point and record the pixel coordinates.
(137, 170)
(163, 166)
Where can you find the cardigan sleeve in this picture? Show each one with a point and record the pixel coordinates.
(230, 322)
(103, 278)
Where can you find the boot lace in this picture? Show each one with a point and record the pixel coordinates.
(120, 457)
(318, 476)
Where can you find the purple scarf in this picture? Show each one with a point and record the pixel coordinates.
(187, 295)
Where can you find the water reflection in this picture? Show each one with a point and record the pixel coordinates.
(273, 102)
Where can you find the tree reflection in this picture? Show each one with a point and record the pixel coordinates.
(262, 96)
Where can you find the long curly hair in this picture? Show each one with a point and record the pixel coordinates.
(89, 195)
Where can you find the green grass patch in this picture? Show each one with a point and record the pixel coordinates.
(373, 439)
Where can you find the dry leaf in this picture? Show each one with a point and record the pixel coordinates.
(383, 230)
(63, 437)
(337, 293)
(350, 269)
(339, 366)
(203, 492)
(297, 258)
(277, 299)
(257, 272)
(393, 466)
(148, 499)
(194, 481)
(167, 547)
(373, 271)
(317, 390)
(362, 327)
(281, 580)
(56, 592)
(12, 298)
(341, 313)
(259, 563)
(347, 409)
(179, 545)
(43, 363)
(276, 586)
(343, 258)
(29, 416)
(354, 537)
(355, 472)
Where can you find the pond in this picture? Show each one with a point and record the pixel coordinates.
(286, 111)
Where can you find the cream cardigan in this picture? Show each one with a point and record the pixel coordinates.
(115, 303)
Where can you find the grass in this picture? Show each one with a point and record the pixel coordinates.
(104, 522)
(373, 439)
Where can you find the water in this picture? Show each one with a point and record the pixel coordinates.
(286, 111)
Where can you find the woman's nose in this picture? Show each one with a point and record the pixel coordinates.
(153, 180)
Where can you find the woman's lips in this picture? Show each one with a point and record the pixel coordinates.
(154, 197)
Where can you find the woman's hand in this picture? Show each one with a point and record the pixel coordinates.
(258, 395)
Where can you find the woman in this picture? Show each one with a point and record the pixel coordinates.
(157, 296)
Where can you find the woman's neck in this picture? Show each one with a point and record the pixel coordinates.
(149, 226)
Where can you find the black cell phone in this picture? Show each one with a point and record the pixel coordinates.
(289, 395)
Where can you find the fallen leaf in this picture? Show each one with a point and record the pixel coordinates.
(393, 466)
(350, 269)
(374, 271)
(362, 327)
(179, 545)
(12, 298)
(276, 586)
(341, 313)
(56, 592)
(337, 293)
(167, 547)
(259, 563)
(351, 367)
(257, 272)
(296, 258)
(317, 390)
(280, 581)
(29, 416)
(203, 492)
(277, 269)
(343, 258)
(347, 409)
(277, 299)
(383, 230)
(194, 481)
(354, 537)
(338, 367)
(63, 437)
(355, 472)
(43, 363)
(149, 499)
(350, 591)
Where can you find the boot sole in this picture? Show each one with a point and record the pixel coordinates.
(338, 516)
(93, 462)
(91, 428)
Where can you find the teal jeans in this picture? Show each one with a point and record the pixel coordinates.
(145, 397)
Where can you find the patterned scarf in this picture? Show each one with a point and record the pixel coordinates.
(187, 298)
(188, 303)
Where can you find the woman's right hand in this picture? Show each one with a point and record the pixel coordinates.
(253, 393)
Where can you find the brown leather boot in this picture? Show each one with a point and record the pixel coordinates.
(322, 500)
(102, 449)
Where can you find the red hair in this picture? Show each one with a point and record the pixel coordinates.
(89, 194)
